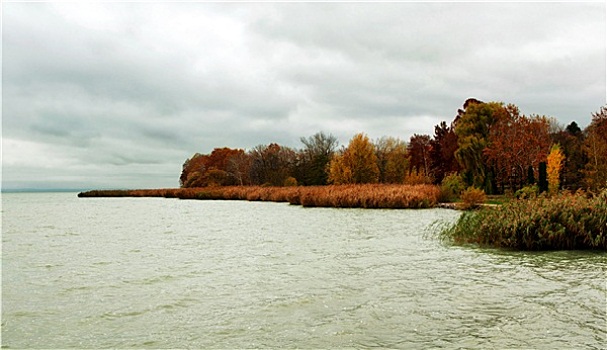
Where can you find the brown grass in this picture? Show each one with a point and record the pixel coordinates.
(472, 198)
(337, 196)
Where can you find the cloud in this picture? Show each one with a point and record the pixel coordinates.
(117, 93)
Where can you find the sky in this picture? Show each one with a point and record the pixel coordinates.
(119, 95)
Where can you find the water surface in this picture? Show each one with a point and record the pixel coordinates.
(164, 273)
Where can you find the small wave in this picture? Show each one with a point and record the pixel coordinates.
(152, 280)
(49, 266)
(76, 289)
(113, 315)
(178, 304)
(28, 314)
(147, 344)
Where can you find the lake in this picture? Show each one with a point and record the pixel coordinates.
(168, 273)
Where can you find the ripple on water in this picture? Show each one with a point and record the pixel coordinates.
(197, 274)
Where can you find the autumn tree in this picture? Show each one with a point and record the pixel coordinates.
(472, 129)
(270, 165)
(553, 168)
(571, 141)
(442, 152)
(192, 171)
(357, 164)
(595, 147)
(392, 159)
(238, 167)
(312, 160)
(210, 169)
(218, 164)
(419, 148)
(515, 143)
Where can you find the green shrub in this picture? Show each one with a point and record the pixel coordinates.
(527, 192)
(451, 187)
(565, 221)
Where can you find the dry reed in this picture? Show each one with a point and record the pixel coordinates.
(338, 196)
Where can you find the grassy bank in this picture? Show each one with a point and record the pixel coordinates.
(566, 221)
(342, 196)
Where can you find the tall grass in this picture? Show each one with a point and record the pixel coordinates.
(338, 196)
(565, 221)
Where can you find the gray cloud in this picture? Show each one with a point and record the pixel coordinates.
(120, 94)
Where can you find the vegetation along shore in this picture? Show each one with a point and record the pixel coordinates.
(531, 163)
(563, 221)
(337, 196)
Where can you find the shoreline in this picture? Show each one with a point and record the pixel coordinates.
(379, 196)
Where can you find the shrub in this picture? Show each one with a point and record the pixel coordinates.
(451, 188)
(417, 179)
(472, 197)
(290, 182)
(527, 192)
(565, 221)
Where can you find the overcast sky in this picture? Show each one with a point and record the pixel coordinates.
(118, 95)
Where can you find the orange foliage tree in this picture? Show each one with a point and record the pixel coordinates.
(210, 169)
(516, 142)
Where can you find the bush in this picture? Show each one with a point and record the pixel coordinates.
(290, 182)
(451, 188)
(417, 179)
(527, 192)
(472, 197)
(565, 221)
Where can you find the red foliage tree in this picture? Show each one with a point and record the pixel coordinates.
(442, 154)
(419, 149)
(213, 169)
(516, 142)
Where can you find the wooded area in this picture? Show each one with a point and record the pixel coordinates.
(490, 146)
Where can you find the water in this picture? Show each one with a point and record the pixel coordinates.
(164, 273)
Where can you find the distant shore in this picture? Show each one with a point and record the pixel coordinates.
(336, 196)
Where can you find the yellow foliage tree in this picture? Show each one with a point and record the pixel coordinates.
(356, 165)
(553, 168)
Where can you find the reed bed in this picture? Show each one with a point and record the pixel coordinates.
(337, 196)
(562, 222)
(369, 196)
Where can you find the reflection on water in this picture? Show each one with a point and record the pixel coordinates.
(158, 273)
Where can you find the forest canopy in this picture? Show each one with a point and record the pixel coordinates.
(491, 145)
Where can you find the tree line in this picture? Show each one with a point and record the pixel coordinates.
(489, 145)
